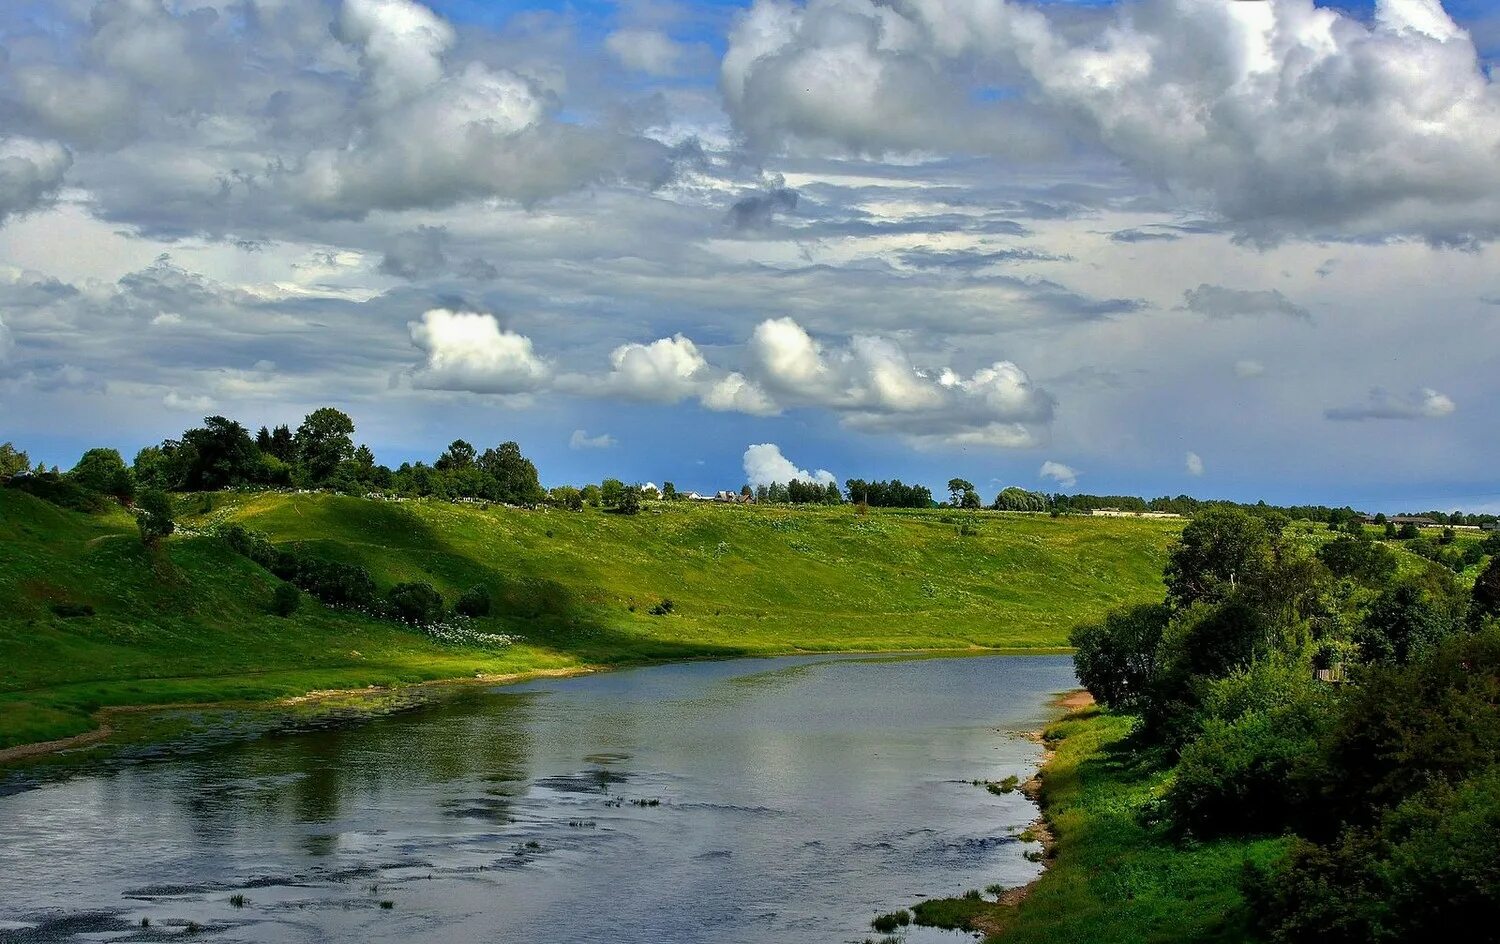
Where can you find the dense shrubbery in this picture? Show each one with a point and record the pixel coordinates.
(417, 603)
(474, 601)
(1390, 781)
(349, 586)
(60, 491)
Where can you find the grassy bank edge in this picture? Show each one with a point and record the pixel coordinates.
(1111, 875)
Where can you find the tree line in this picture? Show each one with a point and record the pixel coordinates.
(1321, 693)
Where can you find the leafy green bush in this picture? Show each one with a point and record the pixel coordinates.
(1432, 862)
(416, 603)
(662, 608)
(1239, 776)
(285, 599)
(1358, 559)
(1116, 660)
(474, 601)
(1434, 721)
(154, 517)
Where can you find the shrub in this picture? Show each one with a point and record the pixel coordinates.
(1434, 721)
(417, 603)
(1432, 862)
(474, 601)
(285, 599)
(1116, 659)
(663, 608)
(59, 491)
(69, 610)
(1358, 559)
(1239, 776)
(103, 471)
(154, 517)
(335, 583)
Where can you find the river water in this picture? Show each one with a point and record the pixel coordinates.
(783, 801)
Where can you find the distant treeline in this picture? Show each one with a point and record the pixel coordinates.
(321, 454)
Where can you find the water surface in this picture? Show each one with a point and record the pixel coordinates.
(753, 801)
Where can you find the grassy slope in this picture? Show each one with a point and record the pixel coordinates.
(1113, 880)
(189, 622)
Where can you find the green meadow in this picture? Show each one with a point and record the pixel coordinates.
(191, 621)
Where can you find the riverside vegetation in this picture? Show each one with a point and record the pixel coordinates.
(1301, 742)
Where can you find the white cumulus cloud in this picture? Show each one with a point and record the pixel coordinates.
(1382, 404)
(1063, 475)
(764, 464)
(582, 440)
(1194, 463)
(469, 351)
(30, 173)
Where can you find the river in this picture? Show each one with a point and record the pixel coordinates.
(757, 801)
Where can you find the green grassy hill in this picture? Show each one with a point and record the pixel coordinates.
(191, 621)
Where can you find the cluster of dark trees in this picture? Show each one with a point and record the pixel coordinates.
(1323, 695)
(799, 493)
(348, 586)
(892, 494)
(321, 454)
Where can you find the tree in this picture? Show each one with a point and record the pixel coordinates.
(516, 480)
(1408, 532)
(592, 495)
(285, 599)
(325, 439)
(957, 488)
(1405, 621)
(1116, 660)
(13, 461)
(1219, 550)
(630, 500)
(1486, 594)
(417, 603)
(222, 454)
(104, 472)
(154, 517)
(474, 602)
(969, 500)
(458, 455)
(166, 467)
(611, 492)
(668, 491)
(1358, 559)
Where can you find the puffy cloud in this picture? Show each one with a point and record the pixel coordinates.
(469, 351)
(1215, 301)
(667, 370)
(401, 45)
(878, 389)
(582, 440)
(765, 465)
(645, 50)
(188, 403)
(1063, 475)
(734, 393)
(1249, 369)
(1194, 464)
(1382, 404)
(30, 173)
(1290, 117)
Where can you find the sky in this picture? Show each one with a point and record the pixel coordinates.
(1230, 248)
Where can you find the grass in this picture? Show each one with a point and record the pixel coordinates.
(1112, 878)
(90, 619)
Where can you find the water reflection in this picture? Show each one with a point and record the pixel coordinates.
(760, 800)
